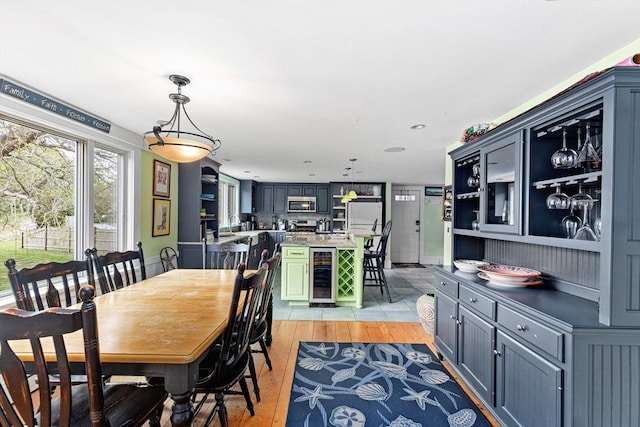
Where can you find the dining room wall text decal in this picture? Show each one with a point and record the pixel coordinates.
(46, 103)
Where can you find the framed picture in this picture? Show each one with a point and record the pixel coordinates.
(161, 179)
(447, 203)
(161, 217)
(433, 191)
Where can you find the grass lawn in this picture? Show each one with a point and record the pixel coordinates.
(26, 258)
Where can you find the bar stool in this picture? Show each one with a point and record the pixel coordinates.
(374, 263)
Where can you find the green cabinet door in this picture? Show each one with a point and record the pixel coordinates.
(295, 274)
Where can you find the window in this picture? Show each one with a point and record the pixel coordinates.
(60, 194)
(229, 201)
(106, 196)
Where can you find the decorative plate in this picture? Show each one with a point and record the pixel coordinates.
(510, 283)
(469, 265)
(515, 274)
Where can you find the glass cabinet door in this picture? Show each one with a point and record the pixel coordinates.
(501, 188)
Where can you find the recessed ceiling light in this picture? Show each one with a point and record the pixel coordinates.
(226, 160)
(394, 149)
(247, 171)
(306, 161)
(312, 174)
(256, 176)
(418, 126)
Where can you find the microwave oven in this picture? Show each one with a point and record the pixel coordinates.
(301, 204)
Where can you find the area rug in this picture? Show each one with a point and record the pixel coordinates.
(359, 384)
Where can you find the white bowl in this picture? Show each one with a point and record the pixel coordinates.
(469, 265)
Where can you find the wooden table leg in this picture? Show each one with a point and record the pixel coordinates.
(181, 410)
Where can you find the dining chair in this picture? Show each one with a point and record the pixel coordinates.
(51, 284)
(89, 404)
(228, 359)
(226, 256)
(374, 263)
(168, 258)
(48, 285)
(115, 270)
(264, 312)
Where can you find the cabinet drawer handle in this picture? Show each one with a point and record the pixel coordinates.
(497, 353)
(521, 328)
(472, 300)
(458, 322)
(452, 316)
(443, 284)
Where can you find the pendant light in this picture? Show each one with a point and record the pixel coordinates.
(168, 140)
(351, 195)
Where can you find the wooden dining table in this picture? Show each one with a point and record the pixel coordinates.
(161, 327)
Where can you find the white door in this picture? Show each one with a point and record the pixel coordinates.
(405, 233)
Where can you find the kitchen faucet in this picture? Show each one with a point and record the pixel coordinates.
(231, 217)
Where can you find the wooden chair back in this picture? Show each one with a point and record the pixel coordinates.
(226, 256)
(369, 243)
(52, 284)
(273, 264)
(168, 258)
(115, 270)
(382, 244)
(247, 292)
(17, 324)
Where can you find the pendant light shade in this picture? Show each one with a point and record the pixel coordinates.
(351, 195)
(168, 140)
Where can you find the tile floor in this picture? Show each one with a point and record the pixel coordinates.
(405, 284)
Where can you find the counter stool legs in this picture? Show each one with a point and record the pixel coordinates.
(375, 267)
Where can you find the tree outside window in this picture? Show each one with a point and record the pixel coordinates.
(40, 212)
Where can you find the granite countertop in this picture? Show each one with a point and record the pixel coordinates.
(237, 236)
(320, 240)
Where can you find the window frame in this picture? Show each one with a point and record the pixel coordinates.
(125, 143)
(223, 203)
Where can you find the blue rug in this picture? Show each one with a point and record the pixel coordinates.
(377, 385)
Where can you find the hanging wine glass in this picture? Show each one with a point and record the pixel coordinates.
(587, 154)
(564, 158)
(473, 181)
(585, 232)
(597, 144)
(580, 200)
(475, 224)
(558, 200)
(597, 227)
(570, 224)
(476, 169)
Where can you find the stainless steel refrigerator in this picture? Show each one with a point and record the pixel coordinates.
(361, 216)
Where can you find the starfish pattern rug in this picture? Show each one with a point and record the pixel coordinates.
(380, 385)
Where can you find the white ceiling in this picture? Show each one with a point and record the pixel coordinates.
(281, 82)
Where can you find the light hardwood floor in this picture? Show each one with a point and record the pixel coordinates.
(275, 385)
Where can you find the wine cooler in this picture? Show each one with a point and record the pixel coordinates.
(322, 276)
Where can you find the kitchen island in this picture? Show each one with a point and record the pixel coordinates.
(345, 267)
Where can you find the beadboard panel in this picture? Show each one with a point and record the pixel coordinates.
(570, 265)
(611, 370)
(634, 167)
(633, 283)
